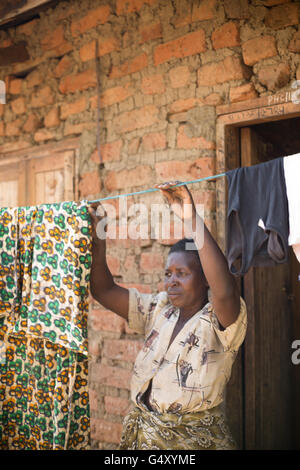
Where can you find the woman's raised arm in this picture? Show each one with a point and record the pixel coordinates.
(103, 287)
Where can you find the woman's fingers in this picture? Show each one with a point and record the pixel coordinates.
(97, 211)
(167, 185)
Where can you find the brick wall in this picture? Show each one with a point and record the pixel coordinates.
(165, 66)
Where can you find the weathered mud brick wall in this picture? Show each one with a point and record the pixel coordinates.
(164, 66)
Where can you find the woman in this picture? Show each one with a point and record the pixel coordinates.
(190, 343)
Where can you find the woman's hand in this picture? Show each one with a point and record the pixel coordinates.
(97, 214)
(179, 199)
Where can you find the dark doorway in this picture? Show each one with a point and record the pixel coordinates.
(271, 380)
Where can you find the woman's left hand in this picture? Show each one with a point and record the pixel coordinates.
(179, 199)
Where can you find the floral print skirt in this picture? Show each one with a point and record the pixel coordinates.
(147, 430)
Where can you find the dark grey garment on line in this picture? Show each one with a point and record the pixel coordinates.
(257, 217)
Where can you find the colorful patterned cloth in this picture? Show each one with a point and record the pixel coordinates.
(205, 430)
(44, 278)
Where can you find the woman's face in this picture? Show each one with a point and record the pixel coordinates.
(184, 281)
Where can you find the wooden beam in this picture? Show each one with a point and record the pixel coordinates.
(16, 11)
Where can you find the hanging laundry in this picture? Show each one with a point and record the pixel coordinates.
(257, 217)
(8, 256)
(291, 166)
(44, 276)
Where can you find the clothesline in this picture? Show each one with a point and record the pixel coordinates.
(150, 190)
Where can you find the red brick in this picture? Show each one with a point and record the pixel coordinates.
(294, 45)
(149, 32)
(181, 106)
(110, 152)
(226, 36)
(139, 176)
(190, 44)
(78, 82)
(151, 262)
(153, 85)
(43, 134)
(133, 146)
(65, 65)
(105, 46)
(53, 38)
(89, 184)
(113, 264)
(105, 431)
(130, 6)
(176, 234)
(136, 119)
(145, 288)
(183, 14)
(91, 20)
(206, 198)
(116, 405)
(154, 141)
(259, 48)
(178, 117)
(129, 67)
(129, 264)
(271, 3)
(281, 16)
(28, 28)
(18, 106)
(113, 95)
(93, 396)
(214, 99)
(186, 142)
(42, 98)
(185, 170)
(70, 129)
(122, 350)
(274, 77)
(231, 68)
(68, 109)
(111, 376)
(179, 76)
(52, 118)
(104, 320)
(236, 8)
(94, 348)
(15, 86)
(13, 128)
(204, 10)
(242, 93)
(33, 79)
(32, 124)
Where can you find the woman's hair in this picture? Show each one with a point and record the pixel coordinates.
(186, 245)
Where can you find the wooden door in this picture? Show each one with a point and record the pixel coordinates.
(33, 180)
(12, 185)
(268, 389)
(51, 178)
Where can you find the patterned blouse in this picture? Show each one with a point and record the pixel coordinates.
(191, 374)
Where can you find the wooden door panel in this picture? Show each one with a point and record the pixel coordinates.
(12, 185)
(52, 178)
(267, 367)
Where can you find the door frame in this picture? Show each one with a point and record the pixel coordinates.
(230, 118)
